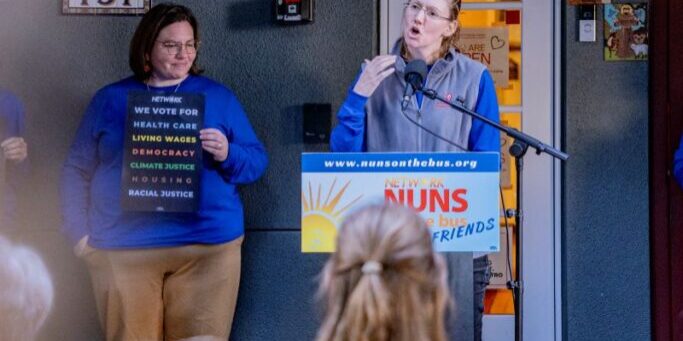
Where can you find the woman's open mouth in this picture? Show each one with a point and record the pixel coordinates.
(413, 32)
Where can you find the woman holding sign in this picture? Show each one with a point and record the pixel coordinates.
(162, 275)
(373, 117)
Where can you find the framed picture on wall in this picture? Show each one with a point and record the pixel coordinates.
(95, 7)
(626, 32)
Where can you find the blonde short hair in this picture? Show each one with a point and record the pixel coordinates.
(26, 292)
(384, 282)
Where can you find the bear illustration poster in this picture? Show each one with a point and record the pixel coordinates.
(626, 34)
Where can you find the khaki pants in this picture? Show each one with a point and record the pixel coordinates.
(168, 293)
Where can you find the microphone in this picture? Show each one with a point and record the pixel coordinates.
(415, 73)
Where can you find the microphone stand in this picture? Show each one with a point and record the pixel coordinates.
(518, 149)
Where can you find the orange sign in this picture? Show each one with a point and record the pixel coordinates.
(589, 2)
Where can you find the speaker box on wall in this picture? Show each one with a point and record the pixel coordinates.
(317, 122)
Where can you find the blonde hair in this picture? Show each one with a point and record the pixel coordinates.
(385, 282)
(26, 292)
(447, 42)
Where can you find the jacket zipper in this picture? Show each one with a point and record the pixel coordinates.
(419, 116)
(419, 130)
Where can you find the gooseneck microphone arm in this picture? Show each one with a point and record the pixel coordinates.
(539, 146)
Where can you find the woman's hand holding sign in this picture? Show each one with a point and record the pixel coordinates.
(214, 142)
(14, 149)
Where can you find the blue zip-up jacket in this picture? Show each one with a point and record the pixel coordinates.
(91, 178)
(678, 163)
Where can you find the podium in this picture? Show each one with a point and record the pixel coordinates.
(456, 194)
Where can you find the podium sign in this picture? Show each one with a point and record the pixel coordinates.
(456, 193)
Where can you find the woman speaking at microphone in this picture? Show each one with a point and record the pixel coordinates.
(372, 118)
(156, 275)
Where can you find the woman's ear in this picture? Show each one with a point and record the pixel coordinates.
(452, 28)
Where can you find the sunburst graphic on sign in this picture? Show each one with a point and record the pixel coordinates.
(321, 218)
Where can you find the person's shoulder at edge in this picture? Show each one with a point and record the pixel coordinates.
(4, 93)
(9, 97)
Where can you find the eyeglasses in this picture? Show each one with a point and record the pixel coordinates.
(414, 7)
(175, 47)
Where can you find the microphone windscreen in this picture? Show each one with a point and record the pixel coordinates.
(415, 72)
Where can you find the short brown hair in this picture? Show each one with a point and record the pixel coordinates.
(146, 34)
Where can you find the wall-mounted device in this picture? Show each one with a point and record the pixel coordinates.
(294, 11)
(587, 24)
(317, 122)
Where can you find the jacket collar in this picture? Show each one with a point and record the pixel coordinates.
(441, 66)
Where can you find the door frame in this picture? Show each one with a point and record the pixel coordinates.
(666, 197)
